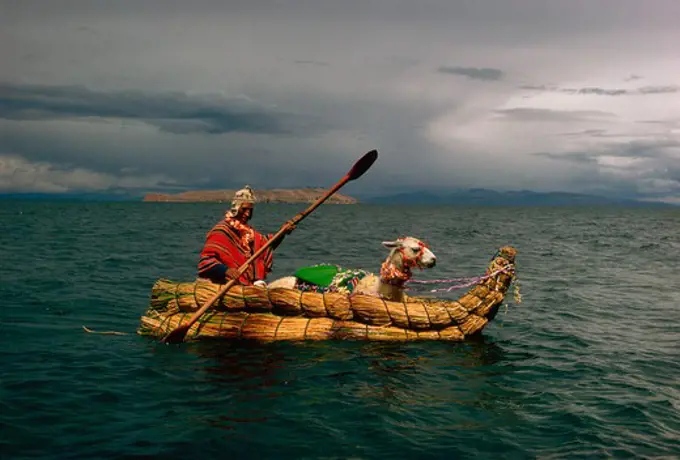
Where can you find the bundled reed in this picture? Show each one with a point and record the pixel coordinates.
(249, 312)
(270, 327)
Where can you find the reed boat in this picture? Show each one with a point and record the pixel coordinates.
(264, 314)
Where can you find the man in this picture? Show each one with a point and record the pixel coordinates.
(232, 241)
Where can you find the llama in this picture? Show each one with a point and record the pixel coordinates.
(405, 254)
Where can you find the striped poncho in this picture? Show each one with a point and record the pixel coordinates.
(229, 244)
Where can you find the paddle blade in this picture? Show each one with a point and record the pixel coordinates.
(362, 165)
(176, 336)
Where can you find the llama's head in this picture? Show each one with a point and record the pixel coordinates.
(409, 252)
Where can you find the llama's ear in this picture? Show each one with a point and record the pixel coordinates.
(390, 244)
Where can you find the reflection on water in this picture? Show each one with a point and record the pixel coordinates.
(241, 362)
(260, 381)
(270, 363)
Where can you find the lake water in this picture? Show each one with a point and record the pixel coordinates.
(586, 366)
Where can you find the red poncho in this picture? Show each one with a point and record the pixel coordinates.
(229, 244)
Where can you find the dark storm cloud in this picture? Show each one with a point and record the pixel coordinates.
(659, 89)
(572, 157)
(654, 172)
(668, 89)
(633, 77)
(474, 73)
(536, 87)
(605, 134)
(172, 112)
(587, 90)
(587, 132)
(653, 148)
(229, 161)
(536, 114)
(311, 62)
(600, 91)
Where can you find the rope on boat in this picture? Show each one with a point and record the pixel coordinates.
(467, 282)
(104, 332)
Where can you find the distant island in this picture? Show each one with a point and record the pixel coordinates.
(298, 195)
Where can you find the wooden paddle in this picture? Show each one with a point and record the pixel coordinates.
(358, 170)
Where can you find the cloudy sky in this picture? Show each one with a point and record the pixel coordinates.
(155, 95)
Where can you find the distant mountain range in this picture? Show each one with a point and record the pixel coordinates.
(484, 197)
(468, 197)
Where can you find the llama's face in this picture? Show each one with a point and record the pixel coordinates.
(413, 252)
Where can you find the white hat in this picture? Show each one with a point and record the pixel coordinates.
(245, 195)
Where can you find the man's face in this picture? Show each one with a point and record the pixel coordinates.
(245, 213)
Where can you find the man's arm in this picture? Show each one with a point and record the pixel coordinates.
(211, 265)
(216, 271)
(289, 227)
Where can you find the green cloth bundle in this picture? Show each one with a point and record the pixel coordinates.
(319, 275)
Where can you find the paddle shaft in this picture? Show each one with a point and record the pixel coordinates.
(359, 168)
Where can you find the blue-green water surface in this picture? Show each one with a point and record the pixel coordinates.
(587, 366)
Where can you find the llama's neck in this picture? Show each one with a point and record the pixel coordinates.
(393, 276)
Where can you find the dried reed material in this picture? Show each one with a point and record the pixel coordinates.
(473, 324)
(457, 311)
(249, 312)
(311, 304)
(414, 313)
(470, 302)
(267, 327)
(490, 302)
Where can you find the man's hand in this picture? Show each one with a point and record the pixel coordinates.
(232, 274)
(288, 227)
